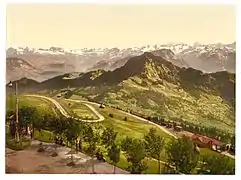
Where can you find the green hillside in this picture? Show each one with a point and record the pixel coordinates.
(152, 86)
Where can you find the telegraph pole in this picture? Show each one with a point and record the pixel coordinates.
(16, 93)
(16, 109)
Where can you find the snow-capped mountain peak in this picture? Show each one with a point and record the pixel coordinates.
(205, 57)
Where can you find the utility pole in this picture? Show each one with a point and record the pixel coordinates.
(16, 109)
(16, 93)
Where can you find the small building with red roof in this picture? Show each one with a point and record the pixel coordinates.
(206, 142)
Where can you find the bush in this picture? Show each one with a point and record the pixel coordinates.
(111, 115)
(68, 94)
(54, 154)
(12, 144)
(41, 149)
(71, 163)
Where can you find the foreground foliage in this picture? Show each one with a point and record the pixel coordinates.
(182, 155)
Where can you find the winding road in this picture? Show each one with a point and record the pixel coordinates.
(101, 118)
(64, 113)
(137, 117)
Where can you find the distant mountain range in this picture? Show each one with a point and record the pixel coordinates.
(42, 64)
(154, 86)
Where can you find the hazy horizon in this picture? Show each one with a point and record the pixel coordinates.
(105, 26)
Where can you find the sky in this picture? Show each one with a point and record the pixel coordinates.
(99, 26)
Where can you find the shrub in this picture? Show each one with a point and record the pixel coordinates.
(12, 144)
(68, 94)
(71, 163)
(111, 115)
(41, 149)
(54, 154)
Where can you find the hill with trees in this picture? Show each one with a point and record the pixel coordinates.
(152, 86)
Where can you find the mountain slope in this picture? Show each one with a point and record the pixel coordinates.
(160, 89)
(16, 68)
(207, 58)
(153, 86)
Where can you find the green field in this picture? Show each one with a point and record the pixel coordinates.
(77, 110)
(131, 127)
(43, 105)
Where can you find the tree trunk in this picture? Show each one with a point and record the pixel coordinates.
(12, 128)
(80, 145)
(40, 132)
(20, 141)
(26, 130)
(114, 168)
(93, 165)
(76, 146)
(72, 158)
(33, 131)
(159, 166)
(50, 136)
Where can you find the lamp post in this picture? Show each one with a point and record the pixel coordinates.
(16, 106)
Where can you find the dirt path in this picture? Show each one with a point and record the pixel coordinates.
(137, 117)
(64, 113)
(227, 154)
(145, 120)
(101, 118)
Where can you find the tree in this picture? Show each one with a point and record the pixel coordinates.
(58, 126)
(68, 94)
(10, 118)
(217, 165)
(9, 114)
(92, 139)
(154, 145)
(71, 133)
(108, 137)
(135, 153)
(111, 115)
(125, 143)
(28, 115)
(114, 154)
(182, 154)
(40, 123)
(98, 127)
(82, 134)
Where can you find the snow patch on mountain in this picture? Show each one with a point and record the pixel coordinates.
(204, 57)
